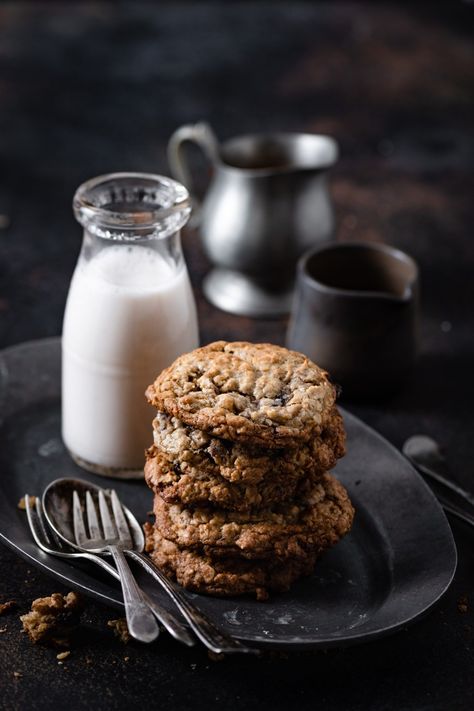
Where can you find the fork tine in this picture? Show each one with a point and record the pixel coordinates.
(33, 521)
(44, 528)
(107, 523)
(120, 520)
(78, 520)
(92, 521)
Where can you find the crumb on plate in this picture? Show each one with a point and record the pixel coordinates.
(22, 503)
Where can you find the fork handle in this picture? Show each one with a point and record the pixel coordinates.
(169, 621)
(204, 629)
(140, 621)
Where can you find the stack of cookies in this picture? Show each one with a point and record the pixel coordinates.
(243, 440)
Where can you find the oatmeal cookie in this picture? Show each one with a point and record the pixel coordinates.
(289, 530)
(258, 393)
(196, 453)
(222, 577)
(198, 487)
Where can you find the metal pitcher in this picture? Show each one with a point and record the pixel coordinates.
(267, 203)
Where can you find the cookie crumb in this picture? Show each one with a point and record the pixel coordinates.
(17, 674)
(63, 655)
(52, 620)
(120, 629)
(213, 656)
(148, 531)
(22, 503)
(463, 604)
(6, 607)
(126, 659)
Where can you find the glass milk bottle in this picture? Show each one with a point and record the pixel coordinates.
(130, 312)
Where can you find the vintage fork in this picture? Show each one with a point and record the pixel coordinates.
(140, 621)
(202, 626)
(48, 541)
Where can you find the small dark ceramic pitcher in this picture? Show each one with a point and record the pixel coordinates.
(355, 313)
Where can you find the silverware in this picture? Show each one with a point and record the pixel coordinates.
(115, 539)
(455, 511)
(48, 541)
(58, 505)
(425, 455)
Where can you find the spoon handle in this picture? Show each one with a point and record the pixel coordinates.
(454, 511)
(204, 629)
(140, 621)
(432, 474)
(425, 455)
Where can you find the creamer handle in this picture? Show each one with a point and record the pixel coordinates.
(200, 133)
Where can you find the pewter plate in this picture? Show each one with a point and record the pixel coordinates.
(381, 577)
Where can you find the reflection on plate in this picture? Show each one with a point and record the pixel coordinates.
(382, 576)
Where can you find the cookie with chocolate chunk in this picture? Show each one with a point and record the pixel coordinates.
(196, 453)
(286, 531)
(222, 577)
(257, 393)
(198, 487)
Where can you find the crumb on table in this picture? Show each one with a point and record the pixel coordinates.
(120, 629)
(463, 604)
(6, 607)
(53, 619)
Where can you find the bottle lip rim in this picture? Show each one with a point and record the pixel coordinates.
(157, 219)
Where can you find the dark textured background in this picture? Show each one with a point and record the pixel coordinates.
(87, 88)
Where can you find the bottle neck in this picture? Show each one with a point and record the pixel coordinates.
(134, 211)
(131, 206)
(167, 249)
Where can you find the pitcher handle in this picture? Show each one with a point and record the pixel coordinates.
(200, 133)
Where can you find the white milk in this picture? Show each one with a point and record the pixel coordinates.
(128, 315)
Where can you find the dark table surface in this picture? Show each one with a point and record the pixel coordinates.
(88, 88)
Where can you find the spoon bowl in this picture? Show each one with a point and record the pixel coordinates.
(57, 506)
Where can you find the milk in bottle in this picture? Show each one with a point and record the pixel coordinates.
(130, 312)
